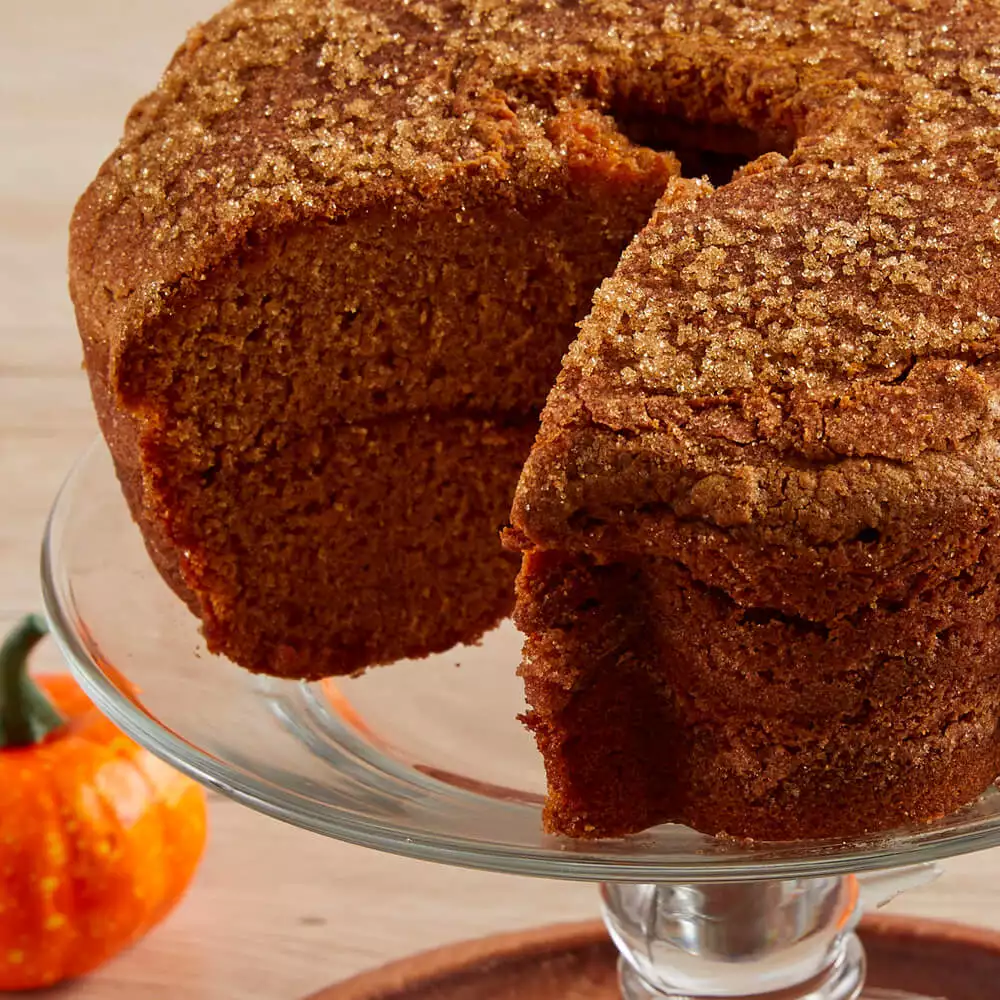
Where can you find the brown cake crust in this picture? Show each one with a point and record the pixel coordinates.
(760, 583)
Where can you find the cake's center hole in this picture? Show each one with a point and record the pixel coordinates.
(705, 150)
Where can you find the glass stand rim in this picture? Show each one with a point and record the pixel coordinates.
(299, 753)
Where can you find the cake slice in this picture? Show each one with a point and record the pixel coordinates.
(759, 524)
(323, 286)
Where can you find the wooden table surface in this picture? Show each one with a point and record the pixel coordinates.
(275, 912)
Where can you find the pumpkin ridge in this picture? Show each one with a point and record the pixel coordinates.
(65, 813)
(156, 911)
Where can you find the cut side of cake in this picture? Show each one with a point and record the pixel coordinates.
(321, 312)
(330, 424)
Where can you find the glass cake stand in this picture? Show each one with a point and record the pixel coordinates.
(427, 759)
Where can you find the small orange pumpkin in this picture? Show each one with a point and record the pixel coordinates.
(98, 838)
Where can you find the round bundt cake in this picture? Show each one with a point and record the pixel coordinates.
(324, 286)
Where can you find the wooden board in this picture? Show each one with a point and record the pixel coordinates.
(555, 963)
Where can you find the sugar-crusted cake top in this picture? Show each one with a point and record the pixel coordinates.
(808, 351)
(276, 107)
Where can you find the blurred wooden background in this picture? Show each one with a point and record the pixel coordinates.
(276, 913)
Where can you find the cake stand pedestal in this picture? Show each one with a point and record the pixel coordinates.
(426, 760)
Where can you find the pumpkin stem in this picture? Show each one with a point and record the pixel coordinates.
(26, 715)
